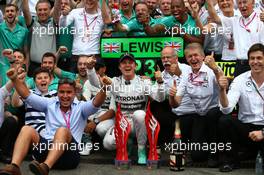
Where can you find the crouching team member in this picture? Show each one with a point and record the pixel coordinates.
(132, 93)
(65, 121)
(103, 119)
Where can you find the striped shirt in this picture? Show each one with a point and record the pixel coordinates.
(34, 117)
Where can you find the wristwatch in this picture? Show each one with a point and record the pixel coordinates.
(96, 121)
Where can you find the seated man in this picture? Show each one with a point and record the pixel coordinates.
(65, 121)
(246, 90)
(201, 85)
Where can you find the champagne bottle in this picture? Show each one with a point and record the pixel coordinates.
(177, 157)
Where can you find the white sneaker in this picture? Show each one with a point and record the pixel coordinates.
(86, 145)
(86, 149)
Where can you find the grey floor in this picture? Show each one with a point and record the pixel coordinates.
(101, 163)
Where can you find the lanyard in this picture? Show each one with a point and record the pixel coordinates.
(86, 23)
(67, 121)
(193, 78)
(245, 26)
(257, 89)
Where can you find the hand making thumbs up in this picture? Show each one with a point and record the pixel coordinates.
(158, 75)
(173, 89)
(210, 61)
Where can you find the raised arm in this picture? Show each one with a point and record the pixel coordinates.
(106, 13)
(92, 76)
(26, 12)
(223, 85)
(212, 12)
(210, 62)
(174, 100)
(56, 11)
(154, 30)
(67, 17)
(20, 86)
(16, 101)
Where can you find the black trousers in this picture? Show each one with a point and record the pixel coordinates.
(201, 131)
(166, 118)
(70, 158)
(8, 134)
(232, 130)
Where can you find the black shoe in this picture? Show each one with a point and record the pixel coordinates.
(226, 168)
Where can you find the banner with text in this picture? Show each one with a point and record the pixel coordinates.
(149, 47)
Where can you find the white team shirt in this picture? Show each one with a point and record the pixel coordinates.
(134, 96)
(246, 32)
(202, 89)
(3, 94)
(86, 35)
(229, 54)
(251, 105)
(90, 92)
(186, 106)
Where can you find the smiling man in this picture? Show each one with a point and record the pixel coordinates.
(135, 27)
(248, 25)
(132, 93)
(65, 121)
(247, 90)
(13, 36)
(42, 29)
(48, 62)
(200, 84)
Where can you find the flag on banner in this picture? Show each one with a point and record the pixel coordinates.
(111, 47)
(173, 44)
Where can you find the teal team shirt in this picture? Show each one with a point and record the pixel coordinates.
(189, 25)
(15, 39)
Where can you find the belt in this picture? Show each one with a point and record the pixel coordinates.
(242, 62)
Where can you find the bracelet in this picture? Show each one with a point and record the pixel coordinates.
(96, 121)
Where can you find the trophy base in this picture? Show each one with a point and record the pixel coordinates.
(152, 164)
(122, 164)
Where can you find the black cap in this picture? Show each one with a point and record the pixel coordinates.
(127, 55)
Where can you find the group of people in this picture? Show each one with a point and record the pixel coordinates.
(55, 90)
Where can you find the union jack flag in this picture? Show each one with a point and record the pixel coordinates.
(111, 47)
(173, 44)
